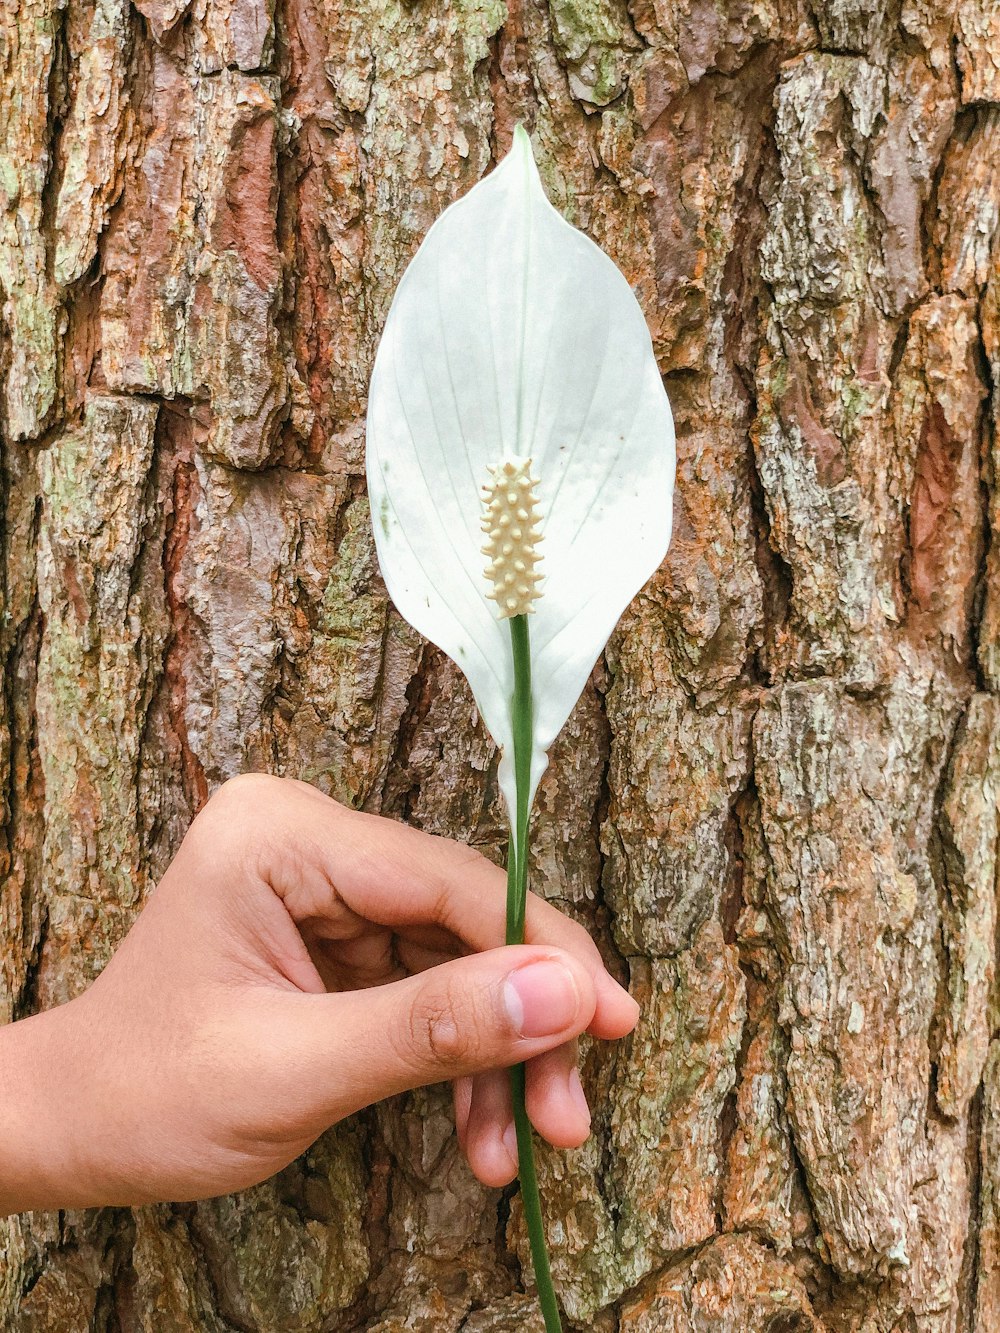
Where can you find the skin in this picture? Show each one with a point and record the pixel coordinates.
(297, 962)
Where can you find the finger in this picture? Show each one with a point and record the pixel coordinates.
(408, 878)
(556, 1105)
(617, 1012)
(490, 1142)
(323, 859)
(462, 1095)
(554, 1097)
(421, 879)
(486, 1011)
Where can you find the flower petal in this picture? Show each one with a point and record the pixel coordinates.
(512, 333)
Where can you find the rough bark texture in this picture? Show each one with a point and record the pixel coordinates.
(776, 804)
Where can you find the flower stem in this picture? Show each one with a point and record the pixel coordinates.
(517, 895)
(517, 861)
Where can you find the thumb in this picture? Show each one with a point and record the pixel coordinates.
(487, 1011)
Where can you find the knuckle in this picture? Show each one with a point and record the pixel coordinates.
(248, 790)
(238, 814)
(470, 857)
(435, 1028)
(459, 863)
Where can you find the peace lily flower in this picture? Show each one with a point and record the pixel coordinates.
(512, 335)
(520, 459)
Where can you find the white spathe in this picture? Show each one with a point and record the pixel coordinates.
(512, 333)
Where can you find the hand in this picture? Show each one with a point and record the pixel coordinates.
(297, 962)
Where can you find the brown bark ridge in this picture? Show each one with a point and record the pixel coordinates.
(776, 803)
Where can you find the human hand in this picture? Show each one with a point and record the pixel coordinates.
(298, 961)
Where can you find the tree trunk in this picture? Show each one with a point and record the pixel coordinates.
(775, 806)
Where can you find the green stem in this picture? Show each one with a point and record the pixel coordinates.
(517, 883)
(517, 896)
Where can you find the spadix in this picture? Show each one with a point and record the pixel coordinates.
(512, 537)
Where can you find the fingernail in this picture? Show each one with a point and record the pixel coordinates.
(509, 1137)
(541, 999)
(577, 1095)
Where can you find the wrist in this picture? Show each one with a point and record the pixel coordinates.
(43, 1136)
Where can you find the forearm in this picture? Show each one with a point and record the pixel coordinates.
(41, 1165)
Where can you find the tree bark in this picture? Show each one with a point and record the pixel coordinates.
(775, 806)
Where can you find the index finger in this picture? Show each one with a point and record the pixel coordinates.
(399, 876)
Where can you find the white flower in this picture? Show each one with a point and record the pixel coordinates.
(513, 337)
